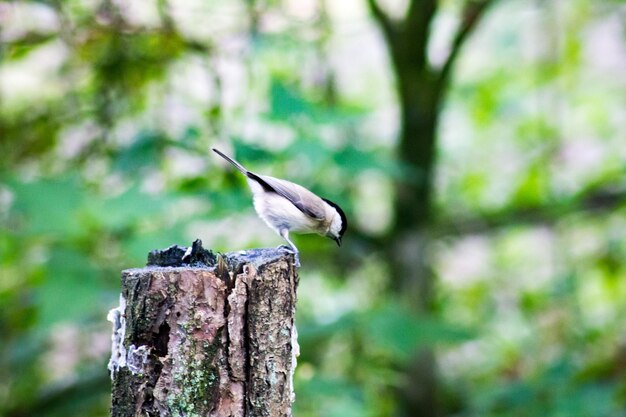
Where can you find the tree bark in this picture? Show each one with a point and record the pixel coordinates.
(421, 90)
(215, 340)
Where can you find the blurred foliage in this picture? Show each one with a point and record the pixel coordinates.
(107, 112)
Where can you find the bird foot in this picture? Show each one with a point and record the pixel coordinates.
(290, 250)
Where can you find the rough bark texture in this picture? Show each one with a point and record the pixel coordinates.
(206, 340)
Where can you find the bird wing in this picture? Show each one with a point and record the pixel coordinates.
(307, 202)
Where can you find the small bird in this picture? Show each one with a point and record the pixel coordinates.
(288, 207)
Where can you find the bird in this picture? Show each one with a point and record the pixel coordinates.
(288, 207)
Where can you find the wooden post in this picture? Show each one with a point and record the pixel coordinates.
(213, 337)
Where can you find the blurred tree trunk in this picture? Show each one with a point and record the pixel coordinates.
(206, 341)
(420, 89)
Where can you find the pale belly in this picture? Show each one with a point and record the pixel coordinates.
(278, 213)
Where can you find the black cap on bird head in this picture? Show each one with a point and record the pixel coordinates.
(344, 222)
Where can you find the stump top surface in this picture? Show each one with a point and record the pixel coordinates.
(257, 257)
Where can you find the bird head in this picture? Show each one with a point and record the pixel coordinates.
(338, 223)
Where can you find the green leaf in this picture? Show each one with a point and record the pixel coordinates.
(72, 288)
(126, 209)
(396, 330)
(329, 397)
(285, 102)
(533, 188)
(48, 206)
(21, 47)
(144, 152)
(310, 332)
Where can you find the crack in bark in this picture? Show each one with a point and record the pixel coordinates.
(161, 340)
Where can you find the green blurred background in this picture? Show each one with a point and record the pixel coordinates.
(478, 148)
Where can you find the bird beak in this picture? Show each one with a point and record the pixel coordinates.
(338, 240)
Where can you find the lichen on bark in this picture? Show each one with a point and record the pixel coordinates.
(195, 378)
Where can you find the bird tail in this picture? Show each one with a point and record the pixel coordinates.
(232, 161)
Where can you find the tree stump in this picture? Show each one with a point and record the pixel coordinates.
(205, 336)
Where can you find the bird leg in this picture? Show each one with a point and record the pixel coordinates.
(285, 234)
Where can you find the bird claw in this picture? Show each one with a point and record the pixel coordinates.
(290, 251)
(286, 248)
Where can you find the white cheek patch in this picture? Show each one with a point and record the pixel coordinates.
(335, 226)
